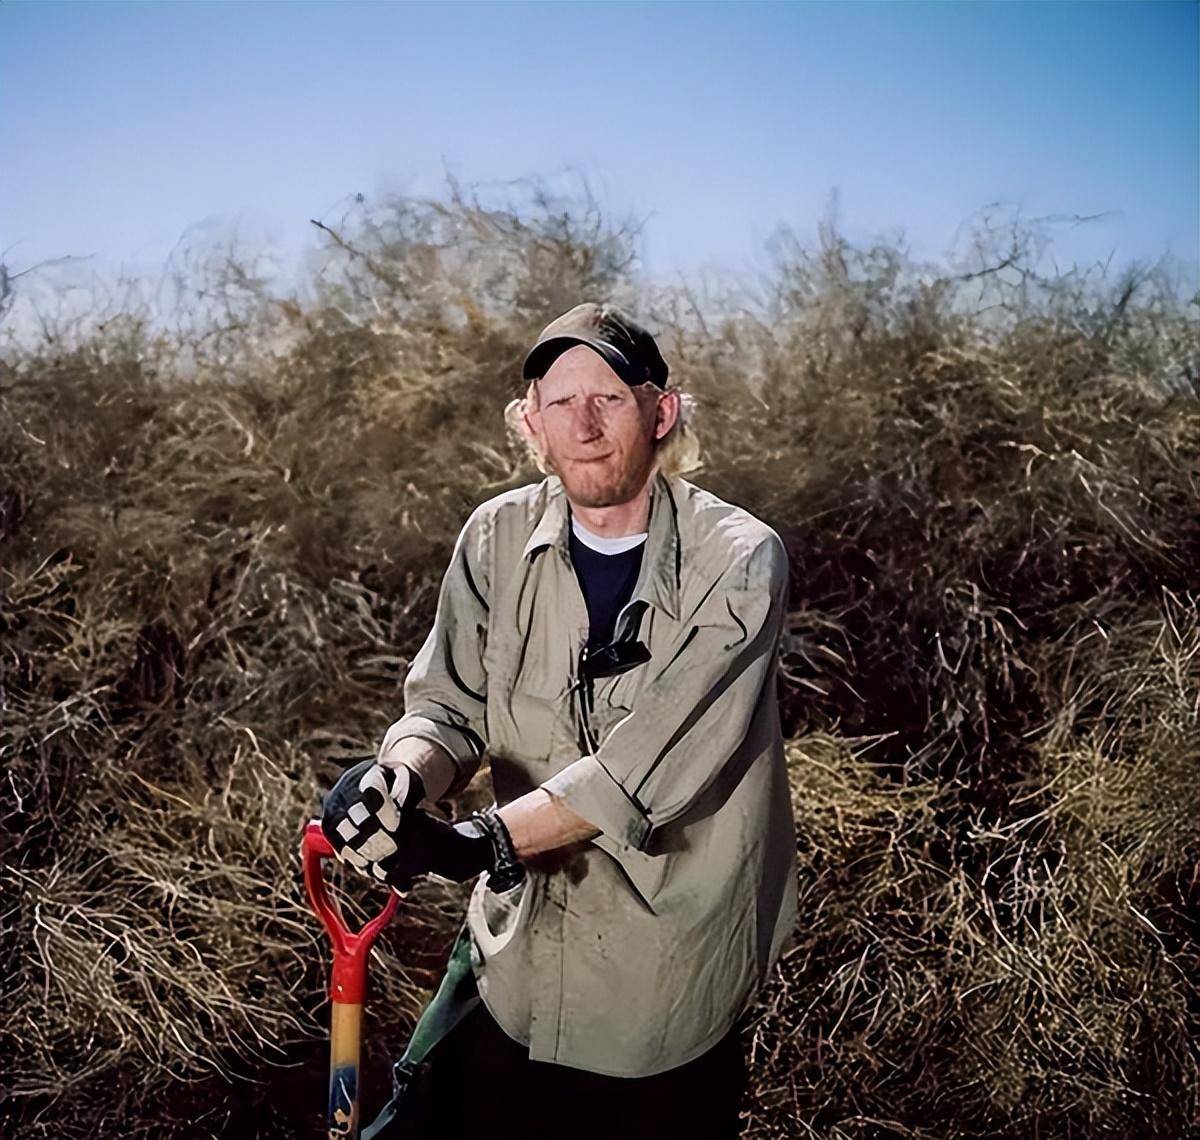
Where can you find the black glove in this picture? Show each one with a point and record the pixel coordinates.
(456, 851)
(368, 810)
(393, 841)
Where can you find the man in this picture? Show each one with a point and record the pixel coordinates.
(609, 637)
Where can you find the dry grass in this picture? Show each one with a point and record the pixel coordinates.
(220, 545)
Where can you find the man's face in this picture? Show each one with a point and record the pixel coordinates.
(594, 431)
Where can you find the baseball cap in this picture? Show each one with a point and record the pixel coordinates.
(628, 348)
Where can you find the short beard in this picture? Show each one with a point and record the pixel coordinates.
(631, 482)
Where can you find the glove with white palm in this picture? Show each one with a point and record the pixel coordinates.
(367, 811)
(372, 821)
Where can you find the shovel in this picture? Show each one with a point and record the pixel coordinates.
(347, 984)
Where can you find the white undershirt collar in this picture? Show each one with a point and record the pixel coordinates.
(606, 545)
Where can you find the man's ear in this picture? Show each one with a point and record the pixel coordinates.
(666, 413)
(525, 424)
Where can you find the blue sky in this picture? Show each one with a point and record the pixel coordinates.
(124, 127)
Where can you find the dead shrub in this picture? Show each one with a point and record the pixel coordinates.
(219, 549)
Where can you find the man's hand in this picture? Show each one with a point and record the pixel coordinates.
(368, 813)
(372, 821)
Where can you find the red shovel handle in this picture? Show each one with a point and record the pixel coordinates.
(350, 949)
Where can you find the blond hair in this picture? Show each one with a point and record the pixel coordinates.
(676, 453)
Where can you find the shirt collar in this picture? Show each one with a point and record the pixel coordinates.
(658, 578)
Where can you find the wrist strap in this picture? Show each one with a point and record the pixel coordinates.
(509, 870)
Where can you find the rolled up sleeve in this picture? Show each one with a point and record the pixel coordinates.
(692, 715)
(445, 691)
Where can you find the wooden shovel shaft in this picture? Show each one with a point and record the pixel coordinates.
(345, 1036)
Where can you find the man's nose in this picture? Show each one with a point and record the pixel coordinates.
(588, 423)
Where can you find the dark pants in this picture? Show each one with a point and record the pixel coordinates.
(483, 1086)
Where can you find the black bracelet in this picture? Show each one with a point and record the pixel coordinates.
(508, 871)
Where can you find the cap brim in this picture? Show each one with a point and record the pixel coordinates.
(546, 352)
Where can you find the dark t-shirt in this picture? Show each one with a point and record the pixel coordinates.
(607, 581)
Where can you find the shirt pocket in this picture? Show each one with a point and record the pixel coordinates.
(607, 714)
(540, 702)
(657, 631)
(620, 692)
(539, 675)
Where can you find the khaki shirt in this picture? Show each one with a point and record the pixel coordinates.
(636, 951)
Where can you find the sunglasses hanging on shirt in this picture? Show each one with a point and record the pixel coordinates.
(613, 659)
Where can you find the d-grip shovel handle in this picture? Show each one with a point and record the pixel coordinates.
(350, 949)
(346, 987)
